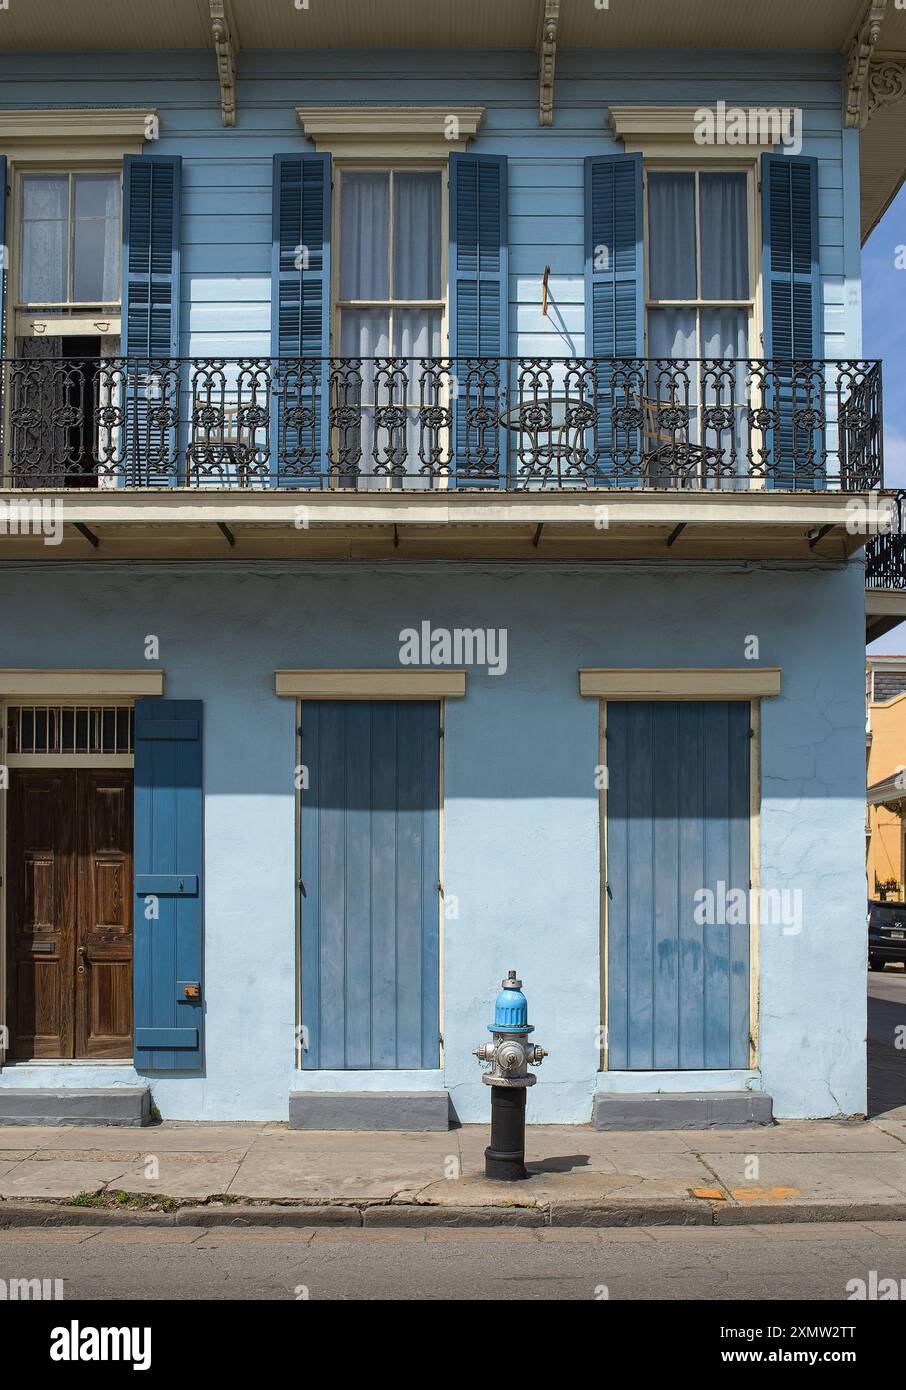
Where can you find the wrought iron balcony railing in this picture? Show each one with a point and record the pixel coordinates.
(424, 423)
(885, 554)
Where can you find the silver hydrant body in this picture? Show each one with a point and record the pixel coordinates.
(510, 1055)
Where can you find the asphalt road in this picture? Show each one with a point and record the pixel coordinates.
(777, 1262)
(675, 1263)
(886, 1061)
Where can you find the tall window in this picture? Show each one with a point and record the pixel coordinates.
(70, 240)
(391, 299)
(67, 279)
(699, 283)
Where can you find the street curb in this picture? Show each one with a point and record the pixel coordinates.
(602, 1215)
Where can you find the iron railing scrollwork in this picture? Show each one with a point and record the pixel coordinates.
(885, 553)
(394, 422)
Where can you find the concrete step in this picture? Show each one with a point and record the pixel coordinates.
(682, 1110)
(113, 1105)
(375, 1110)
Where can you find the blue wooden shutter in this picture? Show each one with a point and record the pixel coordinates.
(4, 256)
(154, 395)
(478, 313)
(300, 316)
(677, 821)
(792, 308)
(168, 871)
(369, 862)
(614, 300)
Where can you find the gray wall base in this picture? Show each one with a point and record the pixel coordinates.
(114, 1105)
(412, 1110)
(682, 1110)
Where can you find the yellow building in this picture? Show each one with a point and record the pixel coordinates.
(886, 739)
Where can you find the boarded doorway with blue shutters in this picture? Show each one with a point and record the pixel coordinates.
(677, 885)
(369, 885)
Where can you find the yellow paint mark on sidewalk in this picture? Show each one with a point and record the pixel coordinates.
(764, 1194)
(716, 1194)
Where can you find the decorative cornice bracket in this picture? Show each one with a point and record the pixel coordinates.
(226, 48)
(547, 59)
(858, 65)
(886, 83)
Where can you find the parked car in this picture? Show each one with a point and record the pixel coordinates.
(886, 933)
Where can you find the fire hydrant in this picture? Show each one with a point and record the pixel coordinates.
(510, 1055)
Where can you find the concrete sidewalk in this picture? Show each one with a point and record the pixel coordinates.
(263, 1174)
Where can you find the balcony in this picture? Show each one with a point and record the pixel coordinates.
(579, 456)
(438, 423)
(885, 573)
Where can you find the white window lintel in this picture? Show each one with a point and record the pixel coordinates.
(680, 683)
(65, 136)
(44, 684)
(390, 132)
(669, 132)
(392, 684)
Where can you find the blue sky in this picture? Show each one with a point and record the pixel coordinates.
(884, 330)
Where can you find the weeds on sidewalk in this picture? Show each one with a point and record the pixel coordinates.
(131, 1201)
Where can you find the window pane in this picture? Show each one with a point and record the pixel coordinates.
(416, 236)
(725, 236)
(416, 333)
(725, 333)
(364, 333)
(671, 236)
(96, 238)
(364, 233)
(45, 214)
(671, 333)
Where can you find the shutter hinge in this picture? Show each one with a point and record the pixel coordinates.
(607, 889)
(751, 733)
(440, 888)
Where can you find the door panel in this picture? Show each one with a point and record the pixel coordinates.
(678, 813)
(42, 909)
(369, 861)
(69, 928)
(104, 944)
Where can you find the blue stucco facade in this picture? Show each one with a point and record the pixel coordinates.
(521, 816)
(521, 809)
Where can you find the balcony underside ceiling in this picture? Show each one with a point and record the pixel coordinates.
(314, 24)
(884, 609)
(180, 524)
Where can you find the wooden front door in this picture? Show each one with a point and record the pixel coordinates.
(69, 923)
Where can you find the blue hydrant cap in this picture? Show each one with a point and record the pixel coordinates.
(511, 1009)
